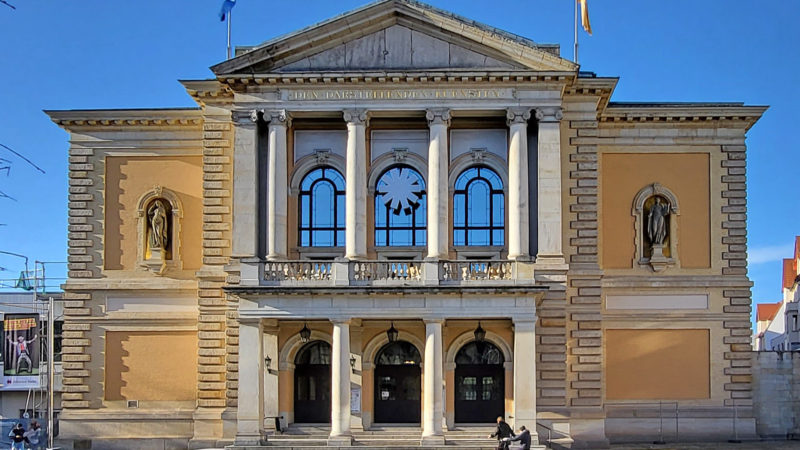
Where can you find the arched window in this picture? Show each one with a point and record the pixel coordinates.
(478, 208)
(400, 208)
(322, 208)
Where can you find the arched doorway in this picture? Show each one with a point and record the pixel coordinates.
(397, 383)
(480, 383)
(312, 383)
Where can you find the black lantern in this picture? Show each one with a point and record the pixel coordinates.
(392, 333)
(480, 333)
(305, 334)
(353, 363)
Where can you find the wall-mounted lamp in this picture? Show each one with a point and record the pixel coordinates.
(480, 333)
(268, 362)
(305, 334)
(353, 363)
(392, 333)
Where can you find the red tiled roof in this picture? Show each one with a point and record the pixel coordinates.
(789, 272)
(797, 248)
(766, 311)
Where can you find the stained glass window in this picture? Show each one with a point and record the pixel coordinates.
(400, 208)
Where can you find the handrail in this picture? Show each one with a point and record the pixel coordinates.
(550, 432)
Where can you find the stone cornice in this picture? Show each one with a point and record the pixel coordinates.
(241, 82)
(692, 113)
(208, 92)
(100, 118)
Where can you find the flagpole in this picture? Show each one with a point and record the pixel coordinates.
(575, 55)
(228, 17)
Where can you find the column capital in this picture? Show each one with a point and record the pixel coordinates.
(549, 114)
(526, 323)
(517, 116)
(277, 117)
(356, 116)
(434, 320)
(341, 320)
(244, 117)
(438, 116)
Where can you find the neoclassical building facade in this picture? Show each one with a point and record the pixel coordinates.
(400, 217)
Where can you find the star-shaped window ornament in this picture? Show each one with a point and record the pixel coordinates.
(401, 190)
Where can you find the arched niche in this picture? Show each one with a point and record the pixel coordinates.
(293, 345)
(159, 260)
(653, 255)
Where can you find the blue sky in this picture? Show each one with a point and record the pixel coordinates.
(120, 54)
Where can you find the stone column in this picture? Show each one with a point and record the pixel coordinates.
(549, 181)
(438, 121)
(518, 240)
(271, 371)
(245, 185)
(277, 185)
(525, 373)
(356, 184)
(432, 407)
(340, 384)
(250, 414)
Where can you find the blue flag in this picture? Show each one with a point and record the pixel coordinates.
(227, 6)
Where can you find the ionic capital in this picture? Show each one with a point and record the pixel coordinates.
(549, 114)
(516, 116)
(438, 116)
(278, 117)
(356, 116)
(243, 117)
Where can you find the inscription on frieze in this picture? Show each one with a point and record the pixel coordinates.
(395, 94)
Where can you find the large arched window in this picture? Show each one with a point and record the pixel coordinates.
(322, 208)
(478, 208)
(400, 208)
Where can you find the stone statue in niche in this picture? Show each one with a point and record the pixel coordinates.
(657, 222)
(158, 234)
(658, 232)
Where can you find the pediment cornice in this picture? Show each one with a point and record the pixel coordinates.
(513, 50)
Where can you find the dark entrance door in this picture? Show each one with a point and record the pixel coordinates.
(312, 383)
(397, 384)
(480, 383)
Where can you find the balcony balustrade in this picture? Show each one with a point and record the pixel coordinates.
(322, 273)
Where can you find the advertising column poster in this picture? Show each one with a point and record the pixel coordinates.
(20, 352)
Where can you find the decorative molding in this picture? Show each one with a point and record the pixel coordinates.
(549, 114)
(237, 82)
(356, 116)
(478, 154)
(399, 154)
(438, 116)
(292, 345)
(518, 116)
(469, 336)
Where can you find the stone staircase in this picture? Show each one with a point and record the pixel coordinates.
(310, 437)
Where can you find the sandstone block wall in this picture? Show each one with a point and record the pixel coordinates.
(776, 394)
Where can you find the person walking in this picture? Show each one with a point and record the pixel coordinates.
(17, 436)
(34, 435)
(503, 432)
(524, 438)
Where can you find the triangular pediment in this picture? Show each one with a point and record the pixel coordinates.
(395, 35)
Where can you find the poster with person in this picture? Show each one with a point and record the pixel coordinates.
(21, 351)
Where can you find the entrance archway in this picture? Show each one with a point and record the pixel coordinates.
(312, 383)
(480, 383)
(398, 385)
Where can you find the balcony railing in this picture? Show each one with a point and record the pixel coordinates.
(385, 273)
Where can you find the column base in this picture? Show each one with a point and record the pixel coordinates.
(340, 441)
(432, 441)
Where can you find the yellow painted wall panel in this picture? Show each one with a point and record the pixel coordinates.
(657, 364)
(130, 177)
(151, 365)
(685, 174)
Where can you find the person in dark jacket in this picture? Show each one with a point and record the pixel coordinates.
(524, 438)
(502, 433)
